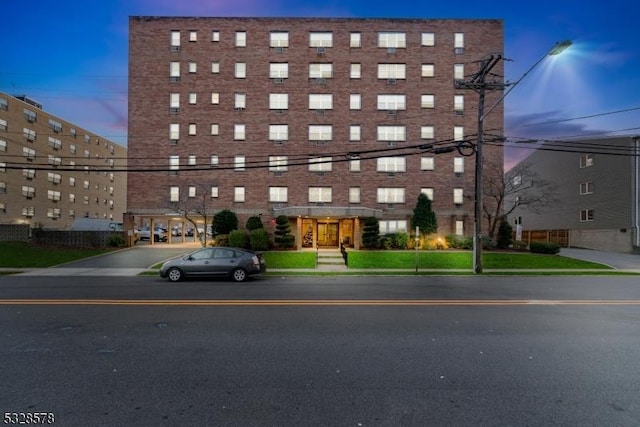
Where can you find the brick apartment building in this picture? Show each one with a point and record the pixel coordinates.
(52, 171)
(326, 121)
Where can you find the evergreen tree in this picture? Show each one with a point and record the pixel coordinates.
(505, 235)
(283, 236)
(254, 223)
(370, 233)
(423, 216)
(224, 222)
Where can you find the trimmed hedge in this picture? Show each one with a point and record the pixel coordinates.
(544, 248)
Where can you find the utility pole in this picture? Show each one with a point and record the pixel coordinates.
(480, 83)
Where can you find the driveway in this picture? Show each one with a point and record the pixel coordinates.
(619, 261)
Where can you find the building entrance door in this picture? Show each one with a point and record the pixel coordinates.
(327, 234)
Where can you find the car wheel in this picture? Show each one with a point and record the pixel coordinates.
(175, 274)
(239, 275)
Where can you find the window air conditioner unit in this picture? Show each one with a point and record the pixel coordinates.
(175, 49)
(391, 143)
(392, 112)
(320, 50)
(458, 50)
(391, 50)
(278, 49)
(321, 80)
(391, 81)
(278, 142)
(278, 80)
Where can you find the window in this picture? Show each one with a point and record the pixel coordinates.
(278, 194)
(174, 102)
(215, 129)
(354, 165)
(214, 161)
(215, 36)
(3, 145)
(428, 70)
(279, 39)
(174, 131)
(4, 105)
(72, 198)
(3, 124)
(240, 70)
(320, 164)
(459, 227)
(193, 98)
(28, 191)
(29, 134)
(392, 102)
(174, 71)
(458, 103)
(278, 70)
(392, 71)
(191, 160)
(517, 180)
(458, 133)
(393, 226)
(192, 129)
(320, 101)
(392, 164)
(193, 36)
(586, 161)
(586, 215)
(320, 194)
(390, 195)
(392, 40)
(174, 194)
(53, 195)
(278, 163)
(458, 196)
(428, 191)
(54, 160)
(355, 71)
(241, 39)
(239, 163)
(320, 39)
(192, 191)
(355, 101)
(427, 132)
(29, 153)
(391, 133)
(278, 132)
(586, 188)
(354, 194)
(239, 132)
(175, 40)
(458, 165)
(193, 67)
(355, 40)
(355, 133)
(28, 211)
(427, 101)
(215, 98)
(30, 116)
(53, 213)
(72, 181)
(215, 67)
(238, 194)
(278, 101)
(31, 173)
(427, 39)
(55, 178)
(320, 71)
(458, 71)
(240, 101)
(214, 192)
(458, 43)
(320, 132)
(3, 188)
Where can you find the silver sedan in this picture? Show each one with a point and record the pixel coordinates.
(238, 264)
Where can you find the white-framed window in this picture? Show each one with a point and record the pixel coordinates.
(278, 39)
(174, 101)
(586, 215)
(355, 70)
(586, 188)
(427, 100)
(239, 194)
(240, 70)
(31, 173)
(192, 191)
(3, 145)
(278, 101)
(586, 160)
(241, 39)
(427, 163)
(355, 39)
(278, 163)
(355, 133)
(174, 163)
(320, 164)
(458, 103)
(320, 132)
(72, 198)
(279, 70)
(458, 196)
(29, 134)
(215, 36)
(193, 98)
(174, 70)
(174, 194)
(428, 70)
(30, 116)
(458, 164)
(239, 163)
(458, 43)
(458, 71)
(392, 133)
(53, 195)
(354, 194)
(54, 160)
(320, 70)
(320, 39)
(459, 227)
(193, 129)
(239, 101)
(175, 40)
(392, 39)
(355, 165)
(320, 101)
(427, 132)
(517, 180)
(392, 164)
(320, 194)
(215, 98)
(239, 132)
(392, 102)
(214, 192)
(278, 132)
(215, 67)
(278, 194)
(215, 129)
(193, 67)
(28, 191)
(53, 213)
(355, 101)
(193, 36)
(191, 160)
(393, 226)
(458, 133)
(392, 71)
(428, 39)
(29, 153)
(28, 211)
(390, 195)
(427, 191)
(214, 160)
(3, 124)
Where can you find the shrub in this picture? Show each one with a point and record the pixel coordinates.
(505, 235)
(284, 238)
(224, 222)
(259, 239)
(519, 245)
(544, 248)
(458, 242)
(370, 233)
(116, 241)
(254, 223)
(238, 239)
(221, 240)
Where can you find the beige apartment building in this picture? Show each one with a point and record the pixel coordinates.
(53, 171)
(326, 121)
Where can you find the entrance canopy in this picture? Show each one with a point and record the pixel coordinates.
(328, 211)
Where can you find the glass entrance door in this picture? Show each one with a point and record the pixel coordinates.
(327, 234)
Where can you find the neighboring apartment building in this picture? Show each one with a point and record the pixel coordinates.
(52, 171)
(325, 121)
(596, 196)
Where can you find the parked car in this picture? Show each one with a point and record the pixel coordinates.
(238, 264)
(159, 234)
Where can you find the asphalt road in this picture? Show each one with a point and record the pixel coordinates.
(334, 351)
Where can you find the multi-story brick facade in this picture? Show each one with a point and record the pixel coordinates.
(326, 121)
(52, 171)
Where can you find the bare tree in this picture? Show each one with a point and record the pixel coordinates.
(194, 205)
(520, 187)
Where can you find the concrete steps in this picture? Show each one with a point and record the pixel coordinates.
(330, 260)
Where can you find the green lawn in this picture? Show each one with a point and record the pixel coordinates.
(289, 259)
(24, 255)
(463, 260)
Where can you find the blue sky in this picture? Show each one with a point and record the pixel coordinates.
(71, 56)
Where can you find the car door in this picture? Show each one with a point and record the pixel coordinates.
(224, 261)
(199, 263)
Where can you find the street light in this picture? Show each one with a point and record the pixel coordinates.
(479, 83)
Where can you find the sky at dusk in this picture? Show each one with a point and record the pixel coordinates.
(71, 56)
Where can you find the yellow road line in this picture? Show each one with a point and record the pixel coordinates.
(312, 302)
